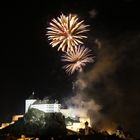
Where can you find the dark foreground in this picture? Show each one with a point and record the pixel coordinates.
(67, 137)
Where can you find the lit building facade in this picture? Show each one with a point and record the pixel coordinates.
(47, 108)
(51, 107)
(28, 104)
(43, 105)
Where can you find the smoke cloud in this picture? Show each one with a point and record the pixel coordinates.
(104, 93)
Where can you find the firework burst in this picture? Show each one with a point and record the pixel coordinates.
(66, 31)
(77, 59)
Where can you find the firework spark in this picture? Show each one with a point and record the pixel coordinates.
(66, 31)
(77, 59)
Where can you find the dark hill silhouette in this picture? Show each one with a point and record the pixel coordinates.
(36, 123)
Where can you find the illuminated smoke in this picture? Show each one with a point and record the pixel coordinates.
(80, 104)
(106, 64)
(101, 88)
(99, 45)
(112, 84)
(93, 13)
(86, 102)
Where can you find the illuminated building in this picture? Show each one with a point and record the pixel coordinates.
(73, 122)
(29, 102)
(14, 119)
(3, 125)
(44, 105)
(48, 106)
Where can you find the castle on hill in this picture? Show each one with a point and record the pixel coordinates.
(46, 105)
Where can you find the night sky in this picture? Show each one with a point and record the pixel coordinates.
(29, 63)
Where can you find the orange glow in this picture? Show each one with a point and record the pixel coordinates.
(76, 126)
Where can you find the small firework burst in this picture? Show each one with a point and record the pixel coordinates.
(77, 59)
(66, 31)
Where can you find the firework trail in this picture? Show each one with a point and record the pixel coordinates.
(77, 59)
(66, 31)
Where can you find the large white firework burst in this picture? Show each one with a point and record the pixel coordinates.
(77, 59)
(66, 31)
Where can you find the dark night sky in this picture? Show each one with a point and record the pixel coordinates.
(29, 64)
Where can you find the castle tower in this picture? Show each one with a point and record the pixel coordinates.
(30, 101)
